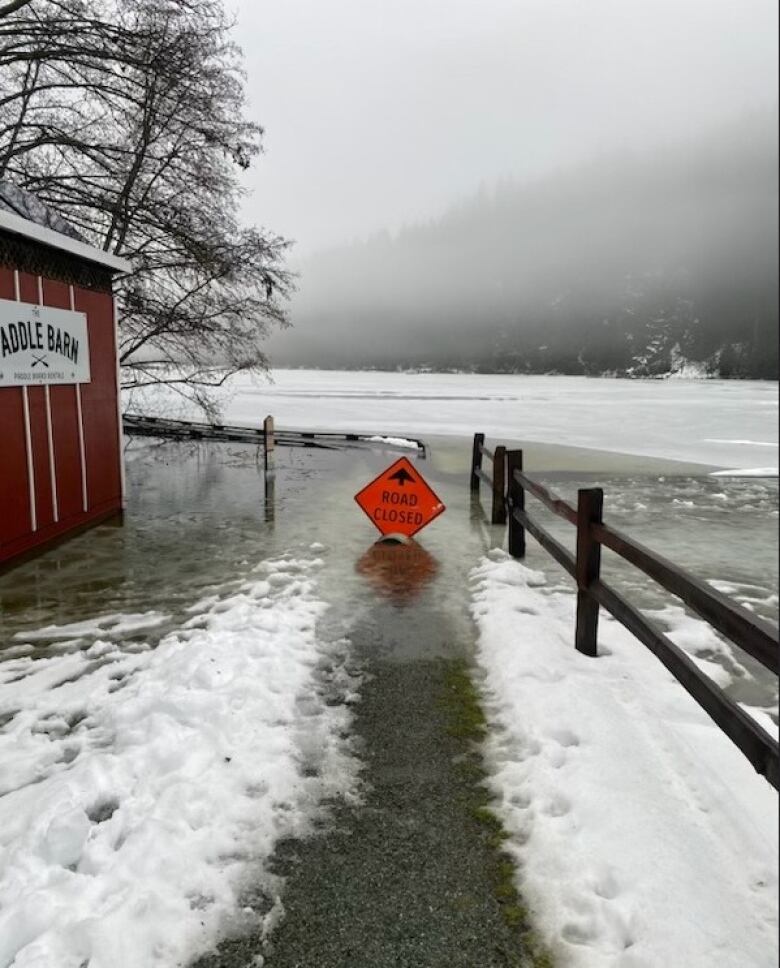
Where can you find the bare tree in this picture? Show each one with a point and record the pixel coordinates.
(127, 117)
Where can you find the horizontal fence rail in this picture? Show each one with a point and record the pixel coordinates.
(755, 636)
(136, 425)
(564, 557)
(747, 630)
(554, 503)
(759, 748)
(496, 483)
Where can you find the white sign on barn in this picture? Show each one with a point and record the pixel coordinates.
(42, 345)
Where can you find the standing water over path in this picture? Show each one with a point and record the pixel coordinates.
(197, 529)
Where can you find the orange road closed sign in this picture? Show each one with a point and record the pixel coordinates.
(399, 501)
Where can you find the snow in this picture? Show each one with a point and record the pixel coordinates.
(395, 441)
(715, 422)
(113, 624)
(747, 472)
(683, 369)
(642, 835)
(746, 443)
(144, 788)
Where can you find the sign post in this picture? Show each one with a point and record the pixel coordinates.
(269, 443)
(399, 500)
(269, 466)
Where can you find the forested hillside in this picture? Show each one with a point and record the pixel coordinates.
(631, 265)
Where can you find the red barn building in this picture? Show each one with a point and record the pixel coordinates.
(60, 421)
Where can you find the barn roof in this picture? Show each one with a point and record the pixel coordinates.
(21, 213)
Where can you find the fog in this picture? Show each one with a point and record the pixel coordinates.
(517, 165)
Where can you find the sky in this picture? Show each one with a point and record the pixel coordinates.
(381, 113)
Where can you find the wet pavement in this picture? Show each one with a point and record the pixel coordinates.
(410, 877)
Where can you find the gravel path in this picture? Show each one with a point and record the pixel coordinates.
(411, 878)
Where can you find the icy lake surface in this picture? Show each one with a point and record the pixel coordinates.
(149, 804)
(725, 423)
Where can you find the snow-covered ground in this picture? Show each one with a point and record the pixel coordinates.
(142, 789)
(725, 423)
(643, 836)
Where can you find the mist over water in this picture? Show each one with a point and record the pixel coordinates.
(634, 263)
(536, 186)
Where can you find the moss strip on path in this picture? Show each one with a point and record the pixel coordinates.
(467, 722)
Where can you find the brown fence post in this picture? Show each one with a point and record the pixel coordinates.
(476, 460)
(590, 503)
(269, 440)
(498, 511)
(515, 499)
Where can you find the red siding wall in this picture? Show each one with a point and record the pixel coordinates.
(54, 432)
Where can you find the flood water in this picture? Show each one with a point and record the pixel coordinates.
(198, 522)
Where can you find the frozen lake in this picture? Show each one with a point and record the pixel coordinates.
(721, 423)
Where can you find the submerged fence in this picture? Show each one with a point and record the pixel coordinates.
(747, 631)
(143, 426)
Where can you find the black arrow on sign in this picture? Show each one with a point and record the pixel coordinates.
(402, 476)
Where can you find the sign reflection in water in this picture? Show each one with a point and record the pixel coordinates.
(398, 571)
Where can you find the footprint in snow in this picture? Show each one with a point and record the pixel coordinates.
(564, 737)
(557, 806)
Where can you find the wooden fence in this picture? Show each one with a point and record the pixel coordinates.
(756, 637)
(136, 425)
(496, 483)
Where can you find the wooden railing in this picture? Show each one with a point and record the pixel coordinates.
(496, 483)
(136, 425)
(747, 631)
